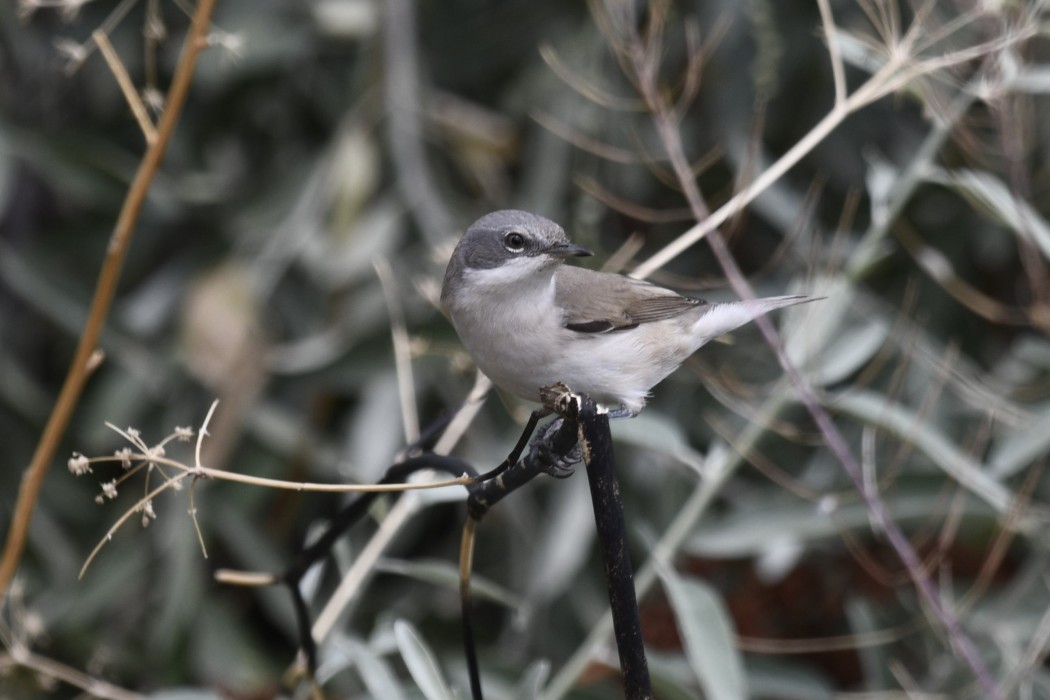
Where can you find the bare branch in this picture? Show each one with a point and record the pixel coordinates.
(592, 92)
(584, 142)
(402, 352)
(631, 209)
(103, 297)
(831, 31)
(126, 86)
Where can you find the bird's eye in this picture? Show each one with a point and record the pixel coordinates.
(514, 242)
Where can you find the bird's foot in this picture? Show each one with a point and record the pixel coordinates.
(541, 450)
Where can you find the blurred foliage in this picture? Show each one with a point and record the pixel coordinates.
(923, 218)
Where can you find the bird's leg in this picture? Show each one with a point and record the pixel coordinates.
(621, 412)
(515, 454)
(542, 450)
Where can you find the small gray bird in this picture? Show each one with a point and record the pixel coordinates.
(530, 321)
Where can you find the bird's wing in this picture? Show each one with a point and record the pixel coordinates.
(600, 302)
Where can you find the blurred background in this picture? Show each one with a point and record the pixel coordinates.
(325, 140)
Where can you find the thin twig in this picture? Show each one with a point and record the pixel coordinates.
(465, 416)
(589, 90)
(314, 487)
(202, 433)
(831, 31)
(56, 671)
(193, 517)
(299, 486)
(137, 508)
(126, 86)
(108, 25)
(199, 472)
(893, 76)
(824, 645)
(233, 577)
(582, 141)
(629, 207)
(402, 352)
(105, 291)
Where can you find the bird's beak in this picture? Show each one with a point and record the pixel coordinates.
(568, 250)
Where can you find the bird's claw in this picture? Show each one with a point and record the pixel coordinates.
(559, 471)
(540, 450)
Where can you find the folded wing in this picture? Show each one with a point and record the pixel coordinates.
(623, 303)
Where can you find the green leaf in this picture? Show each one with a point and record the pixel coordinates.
(754, 531)
(438, 572)
(1021, 446)
(533, 680)
(707, 632)
(810, 329)
(374, 671)
(778, 677)
(848, 352)
(992, 193)
(421, 663)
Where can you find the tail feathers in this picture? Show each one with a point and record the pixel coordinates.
(722, 318)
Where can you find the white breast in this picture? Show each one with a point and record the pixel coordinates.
(509, 329)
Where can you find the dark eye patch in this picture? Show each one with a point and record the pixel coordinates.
(487, 248)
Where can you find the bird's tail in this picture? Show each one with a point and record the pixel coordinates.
(722, 318)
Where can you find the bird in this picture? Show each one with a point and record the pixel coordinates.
(529, 321)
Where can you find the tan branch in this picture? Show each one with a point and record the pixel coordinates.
(33, 479)
(126, 86)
